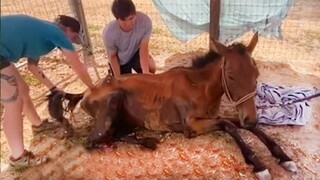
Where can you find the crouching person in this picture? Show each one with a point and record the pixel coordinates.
(23, 36)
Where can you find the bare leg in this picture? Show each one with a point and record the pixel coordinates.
(28, 107)
(12, 101)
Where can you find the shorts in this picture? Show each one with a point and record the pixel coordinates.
(134, 63)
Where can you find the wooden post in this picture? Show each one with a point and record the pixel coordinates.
(77, 9)
(214, 21)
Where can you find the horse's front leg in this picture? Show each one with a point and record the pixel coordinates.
(202, 126)
(258, 167)
(148, 142)
(273, 147)
(275, 150)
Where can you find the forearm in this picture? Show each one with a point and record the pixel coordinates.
(144, 62)
(84, 75)
(144, 55)
(79, 68)
(115, 65)
(38, 73)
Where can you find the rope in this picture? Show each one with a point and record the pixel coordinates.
(224, 84)
(289, 102)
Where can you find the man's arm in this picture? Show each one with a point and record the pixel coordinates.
(78, 67)
(114, 61)
(144, 55)
(38, 73)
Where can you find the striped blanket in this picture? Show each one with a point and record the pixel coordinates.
(275, 107)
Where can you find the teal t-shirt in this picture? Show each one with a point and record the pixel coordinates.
(29, 37)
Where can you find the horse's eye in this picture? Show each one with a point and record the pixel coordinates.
(231, 78)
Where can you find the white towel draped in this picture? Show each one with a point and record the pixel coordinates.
(274, 104)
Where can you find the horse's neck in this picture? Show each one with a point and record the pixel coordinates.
(216, 78)
(213, 90)
(211, 76)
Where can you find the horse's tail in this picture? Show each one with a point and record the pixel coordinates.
(56, 100)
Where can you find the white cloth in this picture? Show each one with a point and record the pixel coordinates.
(274, 104)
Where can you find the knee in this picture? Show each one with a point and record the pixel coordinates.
(23, 88)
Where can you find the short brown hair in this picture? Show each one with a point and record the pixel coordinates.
(122, 9)
(68, 21)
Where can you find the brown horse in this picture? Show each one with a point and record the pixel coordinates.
(183, 99)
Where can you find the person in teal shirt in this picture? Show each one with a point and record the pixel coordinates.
(23, 36)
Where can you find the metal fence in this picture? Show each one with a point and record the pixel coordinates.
(299, 46)
(44, 9)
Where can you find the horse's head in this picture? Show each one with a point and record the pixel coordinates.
(239, 78)
(106, 109)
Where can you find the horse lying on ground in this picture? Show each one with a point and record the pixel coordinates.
(183, 99)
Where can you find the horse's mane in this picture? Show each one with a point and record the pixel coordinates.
(202, 61)
(212, 56)
(239, 47)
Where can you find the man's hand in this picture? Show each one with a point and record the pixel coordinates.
(148, 72)
(55, 89)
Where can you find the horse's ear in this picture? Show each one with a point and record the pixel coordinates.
(253, 43)
(218, 47)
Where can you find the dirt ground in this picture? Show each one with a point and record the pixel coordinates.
(292, 61)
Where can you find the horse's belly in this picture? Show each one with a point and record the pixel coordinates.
(158, 115)
(166, 118)
(153, 121)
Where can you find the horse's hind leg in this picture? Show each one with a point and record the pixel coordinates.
(275, 150)
(258, 167)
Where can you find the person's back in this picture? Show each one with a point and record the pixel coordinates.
(26, 36)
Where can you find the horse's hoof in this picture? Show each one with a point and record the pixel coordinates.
(263, 175)
(290, 166)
